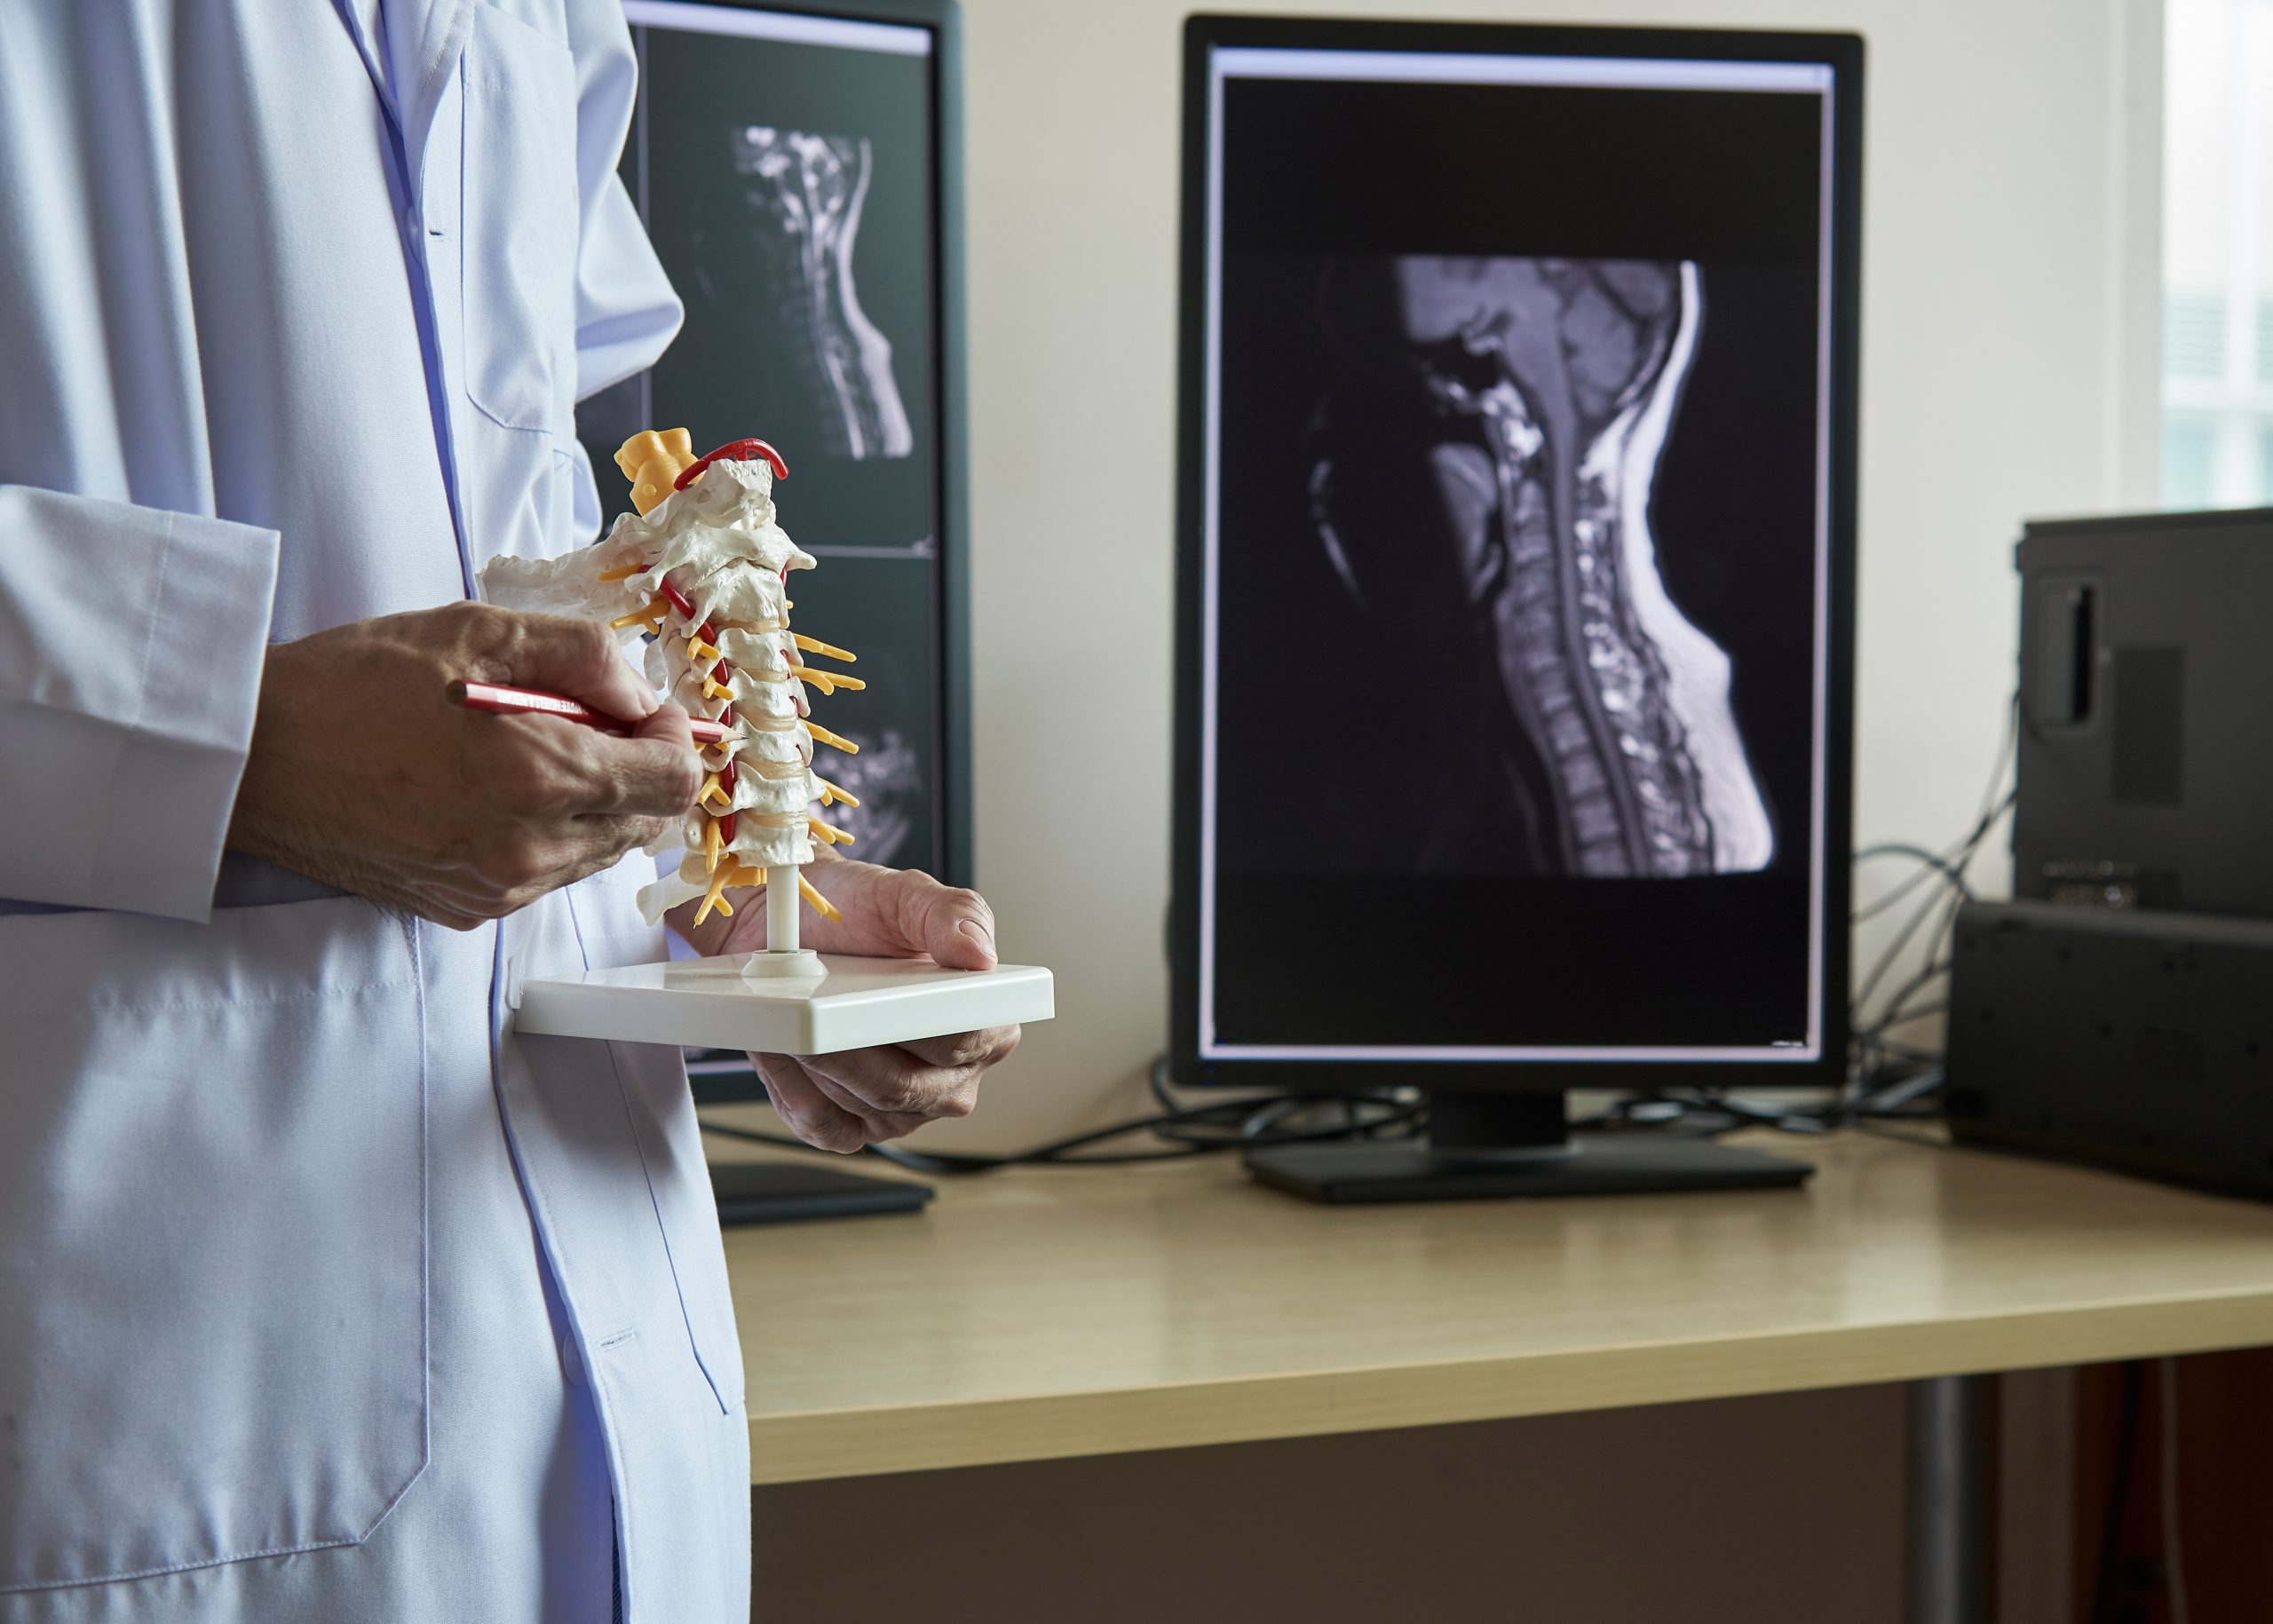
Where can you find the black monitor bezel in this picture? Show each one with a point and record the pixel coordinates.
(951, 404)
(1842, 53)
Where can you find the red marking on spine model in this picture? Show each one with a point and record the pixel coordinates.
(734, 451)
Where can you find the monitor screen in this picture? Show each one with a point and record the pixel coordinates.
(789, 167)
(1516, 552)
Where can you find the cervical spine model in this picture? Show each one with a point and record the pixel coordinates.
(700, 570)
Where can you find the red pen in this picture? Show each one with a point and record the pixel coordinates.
(505, 701)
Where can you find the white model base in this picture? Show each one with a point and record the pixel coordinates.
(798, 964)
(710, 1004)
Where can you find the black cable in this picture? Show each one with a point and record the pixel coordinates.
(1156, 1077)
(1934, 864)
(1896, 1011)
(1244, 1122)
(1871, 1050)
(2118, 1494)
(1960, 859)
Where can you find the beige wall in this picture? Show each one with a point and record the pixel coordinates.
(1991, 292)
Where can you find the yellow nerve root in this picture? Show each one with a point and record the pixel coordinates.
(829, 682)
(830, 794)
(814, 646)
(715, 897)
(729, 874)
(821, 735)
(622, 572)
(710, 787)
(714, 840)
(827, 835)
(820, 903)
(651, 617)
(697, 649)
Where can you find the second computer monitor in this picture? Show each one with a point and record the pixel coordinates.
(1515, 555)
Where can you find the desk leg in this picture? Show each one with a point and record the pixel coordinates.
(1952, 1533)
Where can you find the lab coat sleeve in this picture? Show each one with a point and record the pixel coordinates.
(132, 641)
(626, 313)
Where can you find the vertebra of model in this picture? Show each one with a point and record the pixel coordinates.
(811, 188)
(700, 570)
(1553, 384)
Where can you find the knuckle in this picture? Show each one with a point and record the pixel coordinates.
(897, 1094)
(478, 623)
(539, 792)
(513, 865)
(590, 642)
(980, 1048)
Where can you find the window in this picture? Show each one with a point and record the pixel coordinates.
(2218, 254)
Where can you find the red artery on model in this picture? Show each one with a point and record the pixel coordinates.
(737, 451)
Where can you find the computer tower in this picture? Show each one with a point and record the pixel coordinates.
(2144, 778)
(2120, 1010)
(2139, 1040)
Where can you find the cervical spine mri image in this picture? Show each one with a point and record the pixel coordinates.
(1539, 395)
(803, 196)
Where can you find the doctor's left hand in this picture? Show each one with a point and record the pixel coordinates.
(841, 1101)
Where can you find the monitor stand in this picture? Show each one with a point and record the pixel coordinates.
(1486, 1145)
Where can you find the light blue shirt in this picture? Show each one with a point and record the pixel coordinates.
(320, 1295)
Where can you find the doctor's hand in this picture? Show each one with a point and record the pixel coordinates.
(861, 1097)
(363, 775)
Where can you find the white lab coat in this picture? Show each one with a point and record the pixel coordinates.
(320, 1297)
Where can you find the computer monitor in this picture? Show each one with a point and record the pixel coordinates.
(1515, 591)
(799, 171)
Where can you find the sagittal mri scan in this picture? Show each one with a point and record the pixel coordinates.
(1532, 397)
(802, 194)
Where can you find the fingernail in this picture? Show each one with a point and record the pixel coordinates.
(977, 932)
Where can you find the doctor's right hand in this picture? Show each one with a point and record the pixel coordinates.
(364, 776)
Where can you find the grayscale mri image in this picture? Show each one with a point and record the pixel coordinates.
(802, 199)
(1546, 389)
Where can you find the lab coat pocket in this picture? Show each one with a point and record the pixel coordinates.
(661, 1112)
(520, 232)
(212, 1237)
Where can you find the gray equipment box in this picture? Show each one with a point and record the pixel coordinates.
(2145, 776)
(2141, 1040)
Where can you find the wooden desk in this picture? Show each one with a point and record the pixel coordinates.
(1047, 1313)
